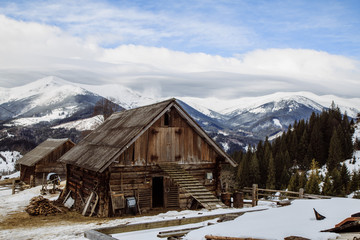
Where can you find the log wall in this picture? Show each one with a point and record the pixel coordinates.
(81, 182)
(176, 142)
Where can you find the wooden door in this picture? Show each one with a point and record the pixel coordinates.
(166, 144)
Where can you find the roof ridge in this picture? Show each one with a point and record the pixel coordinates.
(147, 106)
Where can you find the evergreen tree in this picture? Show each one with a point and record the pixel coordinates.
(316, 145)
(270, 182)
(312, 185)
(254, 171)
(348, 133)
(294, 182)
(284, 178)
(327, 187)
(345, 177)
(264, 163)
(337, 187)
(335, 152)
(243, 172)
(302, 180)
(355, 181)
(302, 150)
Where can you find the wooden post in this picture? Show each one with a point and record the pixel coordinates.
(238, 200)
(13, 186)
(301, 193)
(254, 195)
(32, 181)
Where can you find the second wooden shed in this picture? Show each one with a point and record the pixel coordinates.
(43, 160)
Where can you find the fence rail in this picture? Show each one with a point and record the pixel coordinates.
(256, 192)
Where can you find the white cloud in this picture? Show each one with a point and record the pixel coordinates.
(30, 50)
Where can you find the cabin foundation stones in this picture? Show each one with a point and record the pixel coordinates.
(148, 158)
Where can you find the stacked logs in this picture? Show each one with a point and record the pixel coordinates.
(41, 206)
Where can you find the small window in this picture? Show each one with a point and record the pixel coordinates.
(166, 119)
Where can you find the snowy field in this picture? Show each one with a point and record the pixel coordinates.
(298, 219)
(274, 223)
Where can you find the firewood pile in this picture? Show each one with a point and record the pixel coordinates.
(41, 206)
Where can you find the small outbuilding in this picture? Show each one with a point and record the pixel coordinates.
(151, 157)
(43, 160)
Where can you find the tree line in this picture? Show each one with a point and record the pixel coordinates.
(293, 160)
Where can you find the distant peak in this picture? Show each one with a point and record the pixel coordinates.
(52, 80)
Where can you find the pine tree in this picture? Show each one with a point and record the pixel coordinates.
(294, 182)
(348, 133)
(345, 177)
(338, 188)
(243, 172)
(254, 171)
(302, 180)
(312, 185)
(355, 181)
(270, 182)
(335, 152)
(264, 162)
(327, 187)
(284, 178)
(316, 145)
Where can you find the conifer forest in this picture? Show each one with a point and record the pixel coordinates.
(309, 155)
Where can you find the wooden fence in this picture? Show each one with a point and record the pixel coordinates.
(254, 194)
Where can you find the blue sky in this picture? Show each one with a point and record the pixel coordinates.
(183, 41)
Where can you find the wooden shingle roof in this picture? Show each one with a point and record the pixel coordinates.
(107, 142)
(42, 151)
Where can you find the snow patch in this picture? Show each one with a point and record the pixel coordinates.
(8, 160)
(59, 113)
(225, 146)
(83, 124)
(277, 122)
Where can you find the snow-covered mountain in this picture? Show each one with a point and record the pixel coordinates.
(232, 123)
(46, 100)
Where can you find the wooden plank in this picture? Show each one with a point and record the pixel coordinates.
(213, 237)
(88, 201)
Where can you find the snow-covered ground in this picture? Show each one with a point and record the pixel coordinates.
(273, 223)
(10, 204)
(298, 219)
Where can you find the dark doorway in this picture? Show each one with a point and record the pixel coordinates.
(158, 192)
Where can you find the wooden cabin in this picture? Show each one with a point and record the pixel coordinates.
(156, 154)
(44, 160)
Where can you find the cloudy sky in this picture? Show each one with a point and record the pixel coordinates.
(224, 49)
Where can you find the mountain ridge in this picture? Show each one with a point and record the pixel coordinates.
(233, 123)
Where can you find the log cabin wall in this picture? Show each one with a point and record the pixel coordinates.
(81, 182)
(26, 172)
(170, 139)
(176, 142)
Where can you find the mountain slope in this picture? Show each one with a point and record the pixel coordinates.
(48, 99)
